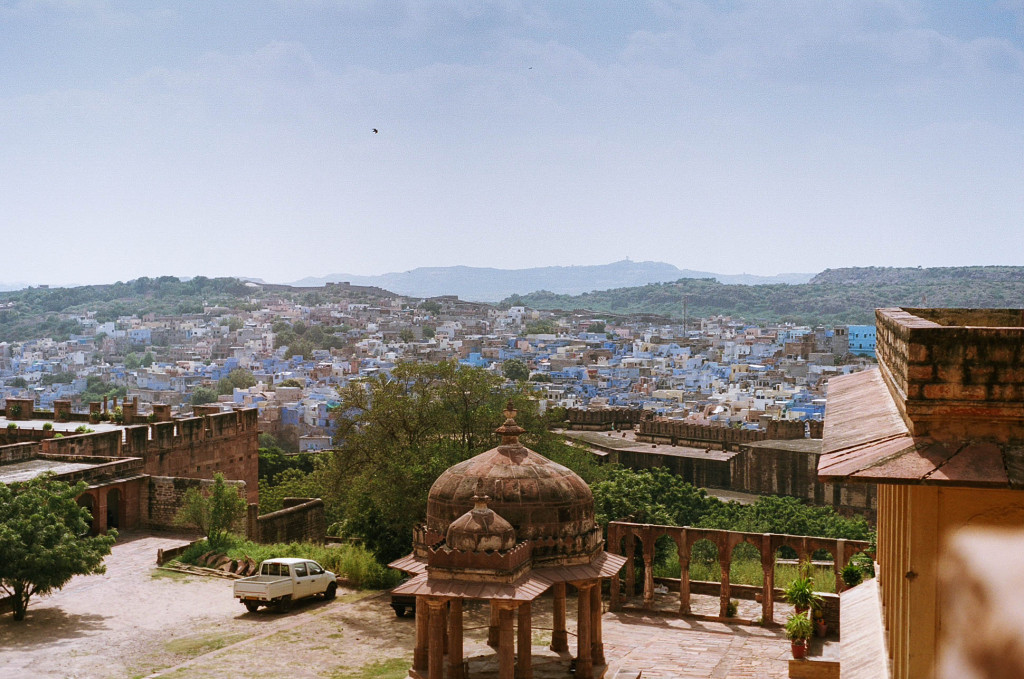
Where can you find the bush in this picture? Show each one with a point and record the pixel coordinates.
(11, 426)
(47, 426)
(352, 562)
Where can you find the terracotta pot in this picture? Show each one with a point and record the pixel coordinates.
(820, 628)
(799, 649)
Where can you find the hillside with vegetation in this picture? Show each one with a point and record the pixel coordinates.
(834, 296)
(44, 311)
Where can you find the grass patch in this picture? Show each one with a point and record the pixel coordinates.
(202, 644)
(393, 668)
(158, 574)
(748, 572)
(352, 562)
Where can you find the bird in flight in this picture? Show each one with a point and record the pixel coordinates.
(375, 130)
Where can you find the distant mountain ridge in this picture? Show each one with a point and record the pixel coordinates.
(482, 284)
(834, 296)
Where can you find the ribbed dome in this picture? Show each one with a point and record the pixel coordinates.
(480, 530)
(542, 500)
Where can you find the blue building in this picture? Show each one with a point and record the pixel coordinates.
(862, 340)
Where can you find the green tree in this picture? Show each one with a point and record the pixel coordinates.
(147, 359)
(203, 395)
(18, 382)
(43, 539)
(515, 369)
(214, 513)
(431, 307)
(239, 378)
(406, 335)
(132, 361)
(234, 323)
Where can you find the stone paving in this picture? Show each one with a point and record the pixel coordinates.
(129, 623)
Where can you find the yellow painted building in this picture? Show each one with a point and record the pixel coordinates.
(940, 427)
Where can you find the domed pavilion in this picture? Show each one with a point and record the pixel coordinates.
(505, 527)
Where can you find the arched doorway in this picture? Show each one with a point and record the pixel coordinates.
(113, 508)
(87, 501)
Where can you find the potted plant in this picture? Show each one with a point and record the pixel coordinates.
(818, 618)
(801, 594)
(731, 609)
(851, 575)
(798, 631)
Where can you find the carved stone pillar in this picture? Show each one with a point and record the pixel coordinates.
(596, 642)
(649, 573)
(684, 582)
(456, 664)
(492, 628)
(630, 566)
(525, 642)
(559, 638)
(584, 661)
(506, 645)
(768, 590)
(725, 590)
(435, 660)
(419, 656)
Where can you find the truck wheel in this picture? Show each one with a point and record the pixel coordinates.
(330, 592)
(251, 606)
(284, 604)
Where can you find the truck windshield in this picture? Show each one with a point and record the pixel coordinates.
(274, 569)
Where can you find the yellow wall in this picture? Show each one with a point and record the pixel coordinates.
(913, 522)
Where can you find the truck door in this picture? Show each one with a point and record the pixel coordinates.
(303, 581)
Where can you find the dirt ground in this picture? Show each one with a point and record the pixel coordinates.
(137, 621)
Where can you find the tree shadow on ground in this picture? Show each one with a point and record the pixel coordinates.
(44, 626)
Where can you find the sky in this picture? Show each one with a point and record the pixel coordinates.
(237, 138)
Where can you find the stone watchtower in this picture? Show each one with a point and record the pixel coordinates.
(504, 527)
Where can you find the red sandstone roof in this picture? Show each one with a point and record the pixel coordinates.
(410, 564)
(865, 439)
(527, 588)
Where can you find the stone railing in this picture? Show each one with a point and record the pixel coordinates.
(623, 538)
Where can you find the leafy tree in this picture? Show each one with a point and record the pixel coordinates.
(596, 327)
(132, 361)
(406, 335)
(147, 359)
(18, 382)
(545, 327)
(431, 307)
(654, 496)
(428, 332)
(515, 369)
(234, 323)
(214, 513)
(396, 436)
(43, 540)
(57, 378)
(290, 382)
(239, 378)
(203, 395)
(96, 390)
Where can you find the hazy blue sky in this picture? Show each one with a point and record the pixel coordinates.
(145, 138)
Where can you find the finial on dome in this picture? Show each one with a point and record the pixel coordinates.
(510, 431)
(480, 501)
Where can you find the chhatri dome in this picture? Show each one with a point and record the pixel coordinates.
(505, 527)
(545, 502)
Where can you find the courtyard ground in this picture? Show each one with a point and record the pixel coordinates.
(137, 621)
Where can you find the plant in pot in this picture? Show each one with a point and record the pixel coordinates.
(801, 594)
(731, 609)
(798, 631)
(818, 618)
(851, 575)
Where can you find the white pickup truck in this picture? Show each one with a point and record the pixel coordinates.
(282, 581)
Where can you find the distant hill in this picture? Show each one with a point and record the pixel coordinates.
(490, 285)
(833, 296)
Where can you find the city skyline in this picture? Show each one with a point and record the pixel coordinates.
(285, 140)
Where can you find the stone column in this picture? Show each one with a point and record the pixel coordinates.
(649, 573)
(506, 645)
(838, 562)
(630, 566)
(435, 661)
(725, 591)
(684, 582)
(584, 662)
(419, 656)
(559, 638)
(444, 626)
(524, 641)
(456, 665)
(614, 542)
(596, 643)
(768, 590)
(492, 628)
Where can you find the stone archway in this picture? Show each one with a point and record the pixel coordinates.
(115, 508)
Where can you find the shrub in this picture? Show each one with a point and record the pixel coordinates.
(12, 426)
(47, 426)
(82, 429)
